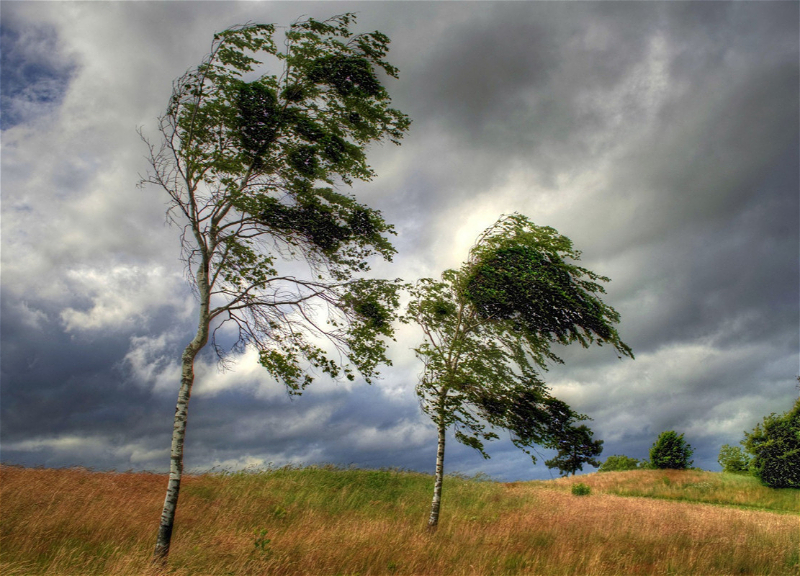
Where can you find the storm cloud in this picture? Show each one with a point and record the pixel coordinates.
(661, 137)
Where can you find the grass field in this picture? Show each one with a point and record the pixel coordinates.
(330, 521)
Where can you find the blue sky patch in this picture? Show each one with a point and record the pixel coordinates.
(34, 73)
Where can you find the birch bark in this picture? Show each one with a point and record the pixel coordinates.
(179, 426)
(433, 521)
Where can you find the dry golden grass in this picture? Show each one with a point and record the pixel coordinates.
(691, 485)
(326, 521)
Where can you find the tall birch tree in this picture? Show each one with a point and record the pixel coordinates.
(254, 164)
(489, 328)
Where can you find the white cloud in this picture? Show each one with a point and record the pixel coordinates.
(32, 317)
(263, 461)
(88, 448)
(151, 365)
(244, 375)
(121, 296)
(404, 433)
(693, 387)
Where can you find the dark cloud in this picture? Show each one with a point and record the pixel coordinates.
(661, 137)
(59, 385)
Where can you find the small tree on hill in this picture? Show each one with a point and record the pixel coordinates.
(251, 164)
(670, 450)
(575, 448)
(733, 460)
(775, 446)
(618, 463)
(489, 325)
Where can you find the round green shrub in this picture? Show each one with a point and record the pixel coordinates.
(581, 489)
(670, 450)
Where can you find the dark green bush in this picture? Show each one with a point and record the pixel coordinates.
(775, 446)
(618, 463)
(581, 489)
(671, 451)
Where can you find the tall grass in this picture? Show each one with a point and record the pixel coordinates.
(329, 521)
(739, 490)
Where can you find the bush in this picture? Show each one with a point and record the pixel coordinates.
(581, 489)
(617, 463)
(671, 451)
(775, 446)
(733, 460)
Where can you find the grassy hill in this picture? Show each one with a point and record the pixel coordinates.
(330, 521)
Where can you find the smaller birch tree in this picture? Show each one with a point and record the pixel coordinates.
(253, 163)
(489, 327)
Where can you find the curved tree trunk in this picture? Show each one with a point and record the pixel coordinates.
(179, 426)
(433, 521)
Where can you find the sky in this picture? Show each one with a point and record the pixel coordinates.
(661, 137)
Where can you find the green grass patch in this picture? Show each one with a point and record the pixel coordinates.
(696, 486)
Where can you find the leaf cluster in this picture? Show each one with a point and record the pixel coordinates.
(467, 379)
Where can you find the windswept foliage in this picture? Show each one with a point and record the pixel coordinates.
(251, 166)
(523, 277)
(489, 328)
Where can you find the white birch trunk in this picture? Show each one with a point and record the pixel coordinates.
(179, 426)
(433, 521)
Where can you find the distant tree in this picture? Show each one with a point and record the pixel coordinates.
(251, 163)
(617, 463)
(775, 446)
(733, 460)
(489, 325)
(670, 450)
(575, 448)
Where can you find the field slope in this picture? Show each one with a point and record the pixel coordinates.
(328, 521)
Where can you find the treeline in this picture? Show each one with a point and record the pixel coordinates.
(770, 452)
